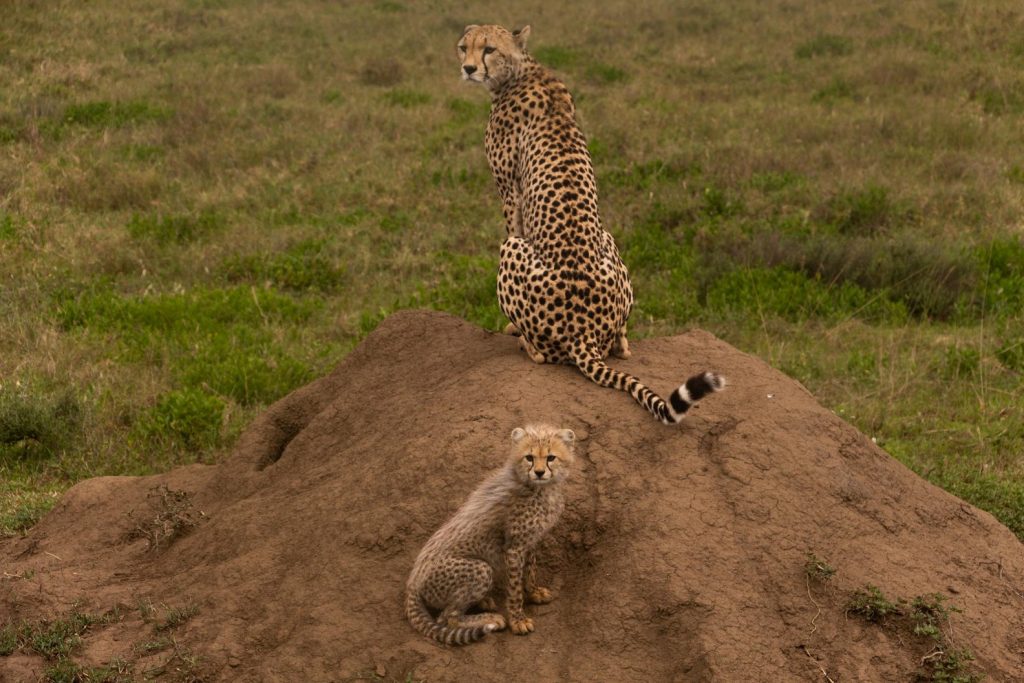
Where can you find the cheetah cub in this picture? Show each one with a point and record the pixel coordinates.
(492, 540)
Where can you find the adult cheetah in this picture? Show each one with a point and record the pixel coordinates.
(560, 278)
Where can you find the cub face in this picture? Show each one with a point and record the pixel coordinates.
(490, 54)
(542, 454)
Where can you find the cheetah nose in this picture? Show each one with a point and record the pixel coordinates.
(469, 69)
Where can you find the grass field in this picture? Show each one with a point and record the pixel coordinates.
(204, 205)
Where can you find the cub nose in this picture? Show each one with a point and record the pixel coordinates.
(540, 475)
(469, 69)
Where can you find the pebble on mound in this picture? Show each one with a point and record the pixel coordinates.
(681, 555)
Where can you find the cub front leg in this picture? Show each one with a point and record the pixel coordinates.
(517, 619)
(538, 595)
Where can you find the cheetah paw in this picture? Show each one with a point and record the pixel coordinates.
(540, 596)
(522, 626)
(512, 330)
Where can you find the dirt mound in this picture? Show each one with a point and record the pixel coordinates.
(681, 555)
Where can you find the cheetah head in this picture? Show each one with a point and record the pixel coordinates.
(490, 54)
(542, 454)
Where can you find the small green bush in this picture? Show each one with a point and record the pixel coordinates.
(113, 114)
(870, 603)
(556, 57)
(824, 45)
(187, 416)
(175, 229)
(301, 267)
(34, 423)
(406, 99)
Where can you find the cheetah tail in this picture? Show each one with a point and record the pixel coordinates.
(669, 412)
(421, 620)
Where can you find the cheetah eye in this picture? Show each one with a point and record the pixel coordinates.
(529, 458)
(462, 48)
(551, 458)
(488, 50)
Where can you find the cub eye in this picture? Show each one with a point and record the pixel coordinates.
(551, 458)
(529, 458)
(488, 50)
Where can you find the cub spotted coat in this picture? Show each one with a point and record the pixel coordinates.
(561, 281)
(491, 542)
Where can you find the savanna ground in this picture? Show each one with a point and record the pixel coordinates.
(204, 205)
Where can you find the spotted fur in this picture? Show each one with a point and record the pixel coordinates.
(491, 541)
(560, 278)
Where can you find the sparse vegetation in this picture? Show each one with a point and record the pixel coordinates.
(171, 515)
(817, 569)
(923, 617)
(178, 251)
(176, 616)
(871, 604)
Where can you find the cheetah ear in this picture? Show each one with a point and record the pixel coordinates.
(517, 434)
(520, 36)
(568, 436)
(469, 28)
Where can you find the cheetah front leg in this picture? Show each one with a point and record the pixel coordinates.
(531, 351)
(518, 622)
(538, 595)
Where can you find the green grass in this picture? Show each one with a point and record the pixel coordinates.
(197, 218)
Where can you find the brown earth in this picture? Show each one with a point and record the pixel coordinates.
(681, 555)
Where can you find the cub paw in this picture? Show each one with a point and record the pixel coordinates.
(540, 596)
(498, 622)
(522, 626)
(488, 604)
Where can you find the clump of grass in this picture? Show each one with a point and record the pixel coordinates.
(606, 74)
(1011, 353)
(406, 99)
(871, 604)
(868, 210)
(644, 176)
(834, 91)
(556, 56)
(301, 267)
(235, 355)
(176, 616)
(949, 666)
(928, 612)
(26, 515)
(175, 229)
(922, 617)
(8, 231)
(35, 424)
(824, 45)
(817, 569)
(793, 296)
(188, 417)
(171, 515)
(102, 113)
(382, 72)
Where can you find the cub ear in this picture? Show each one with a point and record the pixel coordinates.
(520, 36)
(469, 28)
(517, 434)
(567, 435)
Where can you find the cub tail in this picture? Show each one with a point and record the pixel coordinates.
(421, 620)
(589, 361)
